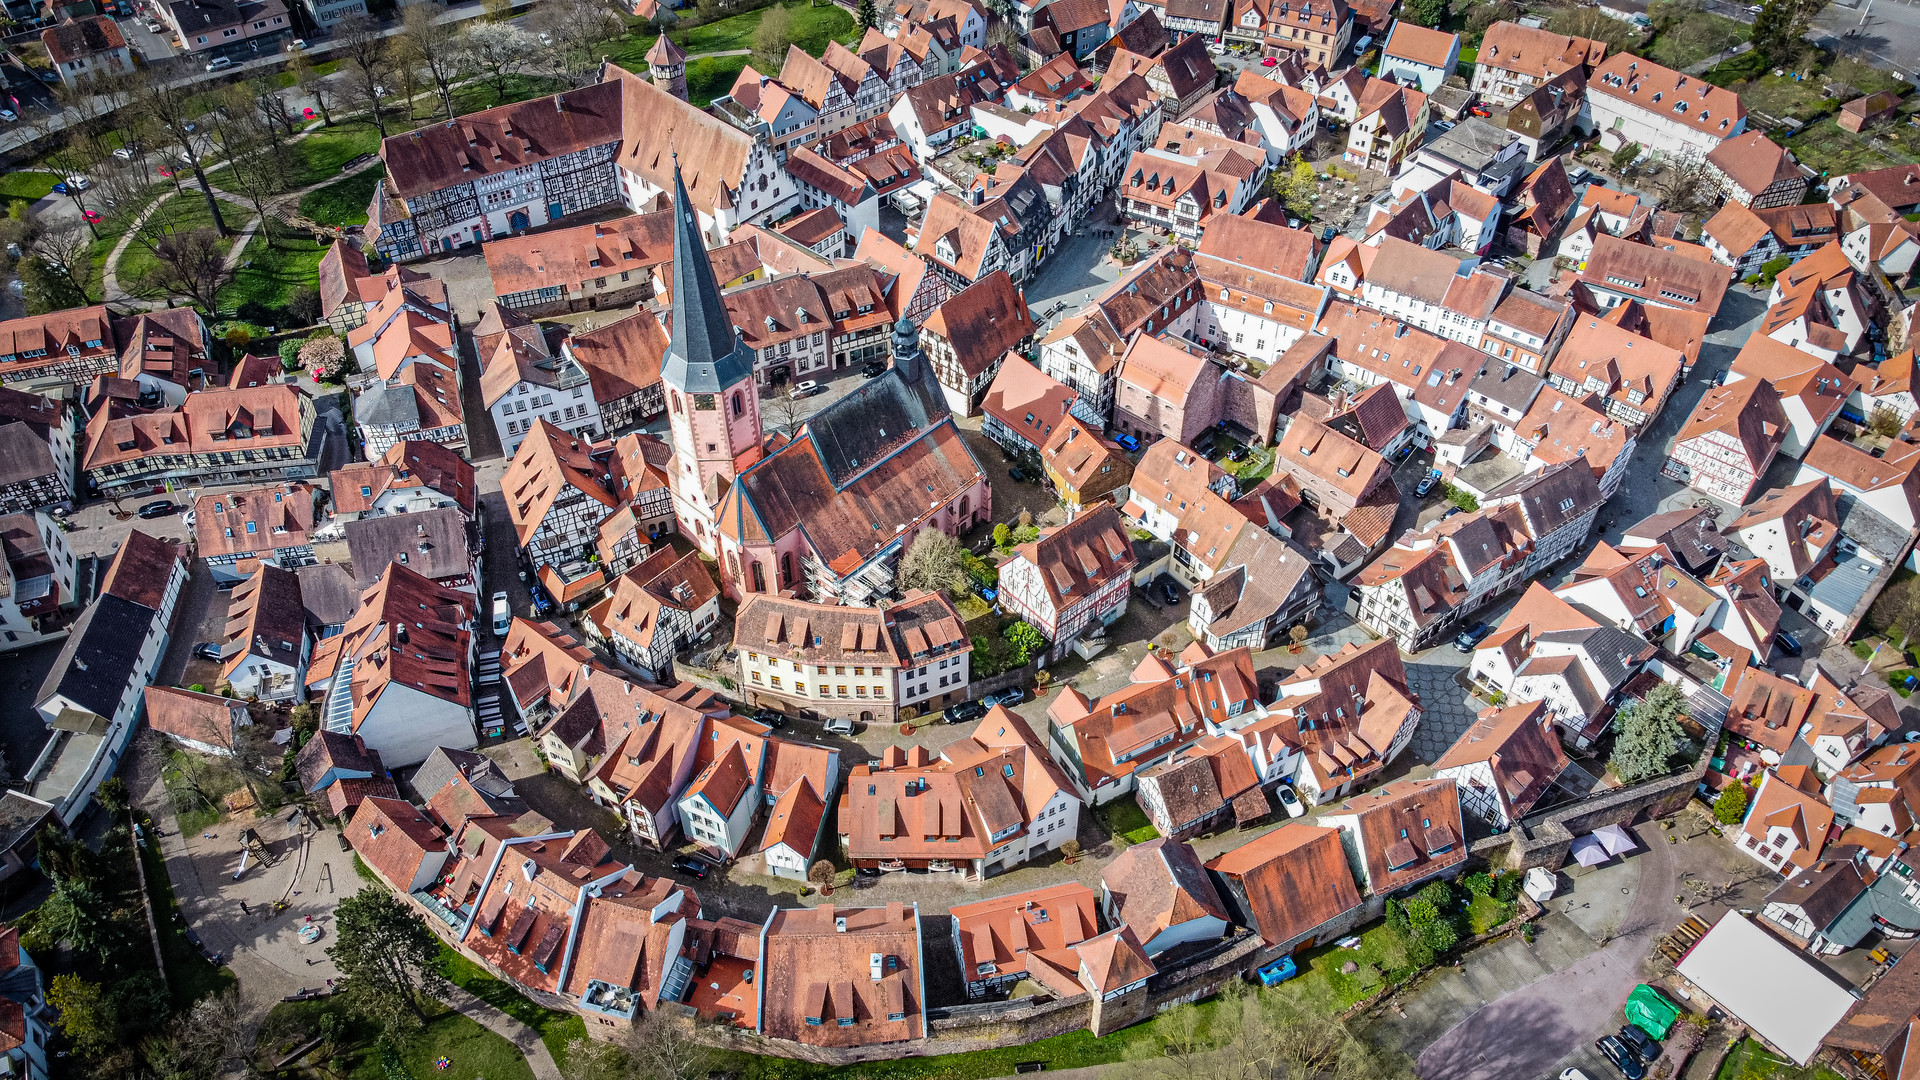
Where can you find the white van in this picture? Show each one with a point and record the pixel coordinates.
(502, 614)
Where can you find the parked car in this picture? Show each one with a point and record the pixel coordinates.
(542, 603)
(219, 62)
(1471, 636)
(502, 614)
(296, 45)
(804, 388)
(1277, 972)
(840, 726)
(1289, 801)
(159, 509)
(1426, 483)
(153, 26)
(1573, 1074)
(1481, 110)
(773, 718)
(9, 115)
(1127, 442)
(1012, 695)
(965, 712)
(1622, 1058)
(1018, 474)
(124, 154)
(92, 216)
(1788, 643)
(1641, 1043)
(690, 864)
(208, 650)
(1169, 592)
(874, 370)
(1269, 62)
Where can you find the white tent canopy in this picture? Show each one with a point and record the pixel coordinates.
(1617, 840)
(1589, 852)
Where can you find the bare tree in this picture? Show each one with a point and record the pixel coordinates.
(1685, 186)
(62, 266)
(272, 106)
(933, 563)
(783, 413)
(572, 33)
(173, 109)
(255, 153)
(213, 1038)
(660, 1047)
(189, 263)
(497, 51)
(433, 42)
(308, 78)
(364, 56)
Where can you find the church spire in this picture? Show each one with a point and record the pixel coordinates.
(704, 355)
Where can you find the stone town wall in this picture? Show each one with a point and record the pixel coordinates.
(1545, 839)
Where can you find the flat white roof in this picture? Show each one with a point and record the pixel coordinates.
(1784, 998)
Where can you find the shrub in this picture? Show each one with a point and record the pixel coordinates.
(1421, 912)
(290, 354)
(1439, 935)
(1439, 894)
(1730, 806)
(1026, 642)
(1001, 534)
(1506, 886)
(1026, 534)
(1480, 884)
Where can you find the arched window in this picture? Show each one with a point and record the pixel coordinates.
(786, 568)
(759, 578)
(739, 404)
(676, 402)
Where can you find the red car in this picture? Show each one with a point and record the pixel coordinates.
(91, 215)
(1270, 62)
(1481, 110)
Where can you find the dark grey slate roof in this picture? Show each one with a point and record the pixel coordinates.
(480, 771)
(1869, 527)
(380, 405)
(1824, 891)
(432, 543)
(1473, 143)
(329, 594)
(98, 660)
(1689, 533)
(1614, 651)
(1514, 387)
(1883, 900)
(24, 454)
(1842, 587)
(705, 355)
(880, 414)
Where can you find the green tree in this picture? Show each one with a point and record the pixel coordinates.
(1296, 187)
(389, 959)
(86, 1016)
(867, 15)
(1421, 912)
(1780, 30)
(1026, 534)
(1001, 534)
(1439, 894)
(1626, 155)
(1026, 641)
(1647, 734)
(1884, 422)
(1730, 806)
(1424, 12)
(1439, 935)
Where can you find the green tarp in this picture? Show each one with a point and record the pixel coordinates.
(1650, 1010)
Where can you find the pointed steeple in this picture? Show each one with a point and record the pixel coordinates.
(704, 356)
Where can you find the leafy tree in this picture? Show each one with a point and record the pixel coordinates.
(1439, 894)
(1646, 735)
(1626, 155)
(1001, 534)
(1773, 268)
(1480, 884)
(1780, 30)
(776, 33)
(1397, 915)
(1296, 187)
(80, 914)
(867, 15)
(1297, 636)
(1488, 12)
(303, 305)
(1424, 12)
(1421, 912)
(113, 796)
(1730, 806)
(86, 1018)
(1026, 641)
(821, 873)
(932, 562)
(1440, 935)
(980, 570)
(388, 958)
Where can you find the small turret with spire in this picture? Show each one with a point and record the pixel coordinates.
(667, 66)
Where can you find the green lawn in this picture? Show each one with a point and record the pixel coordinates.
(343, 202)
(27, 185)
(814, 26)
(1485, 913)
(1750, 1061)
(556, 1029)
(1127, 821)
(318, 157)
(473, 1052)
(1700, 36)
(269, 273)
(179, 213)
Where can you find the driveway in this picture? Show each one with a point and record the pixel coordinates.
(1531, 1027)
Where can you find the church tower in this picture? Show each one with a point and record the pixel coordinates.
(667, 65)
(712, 402)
